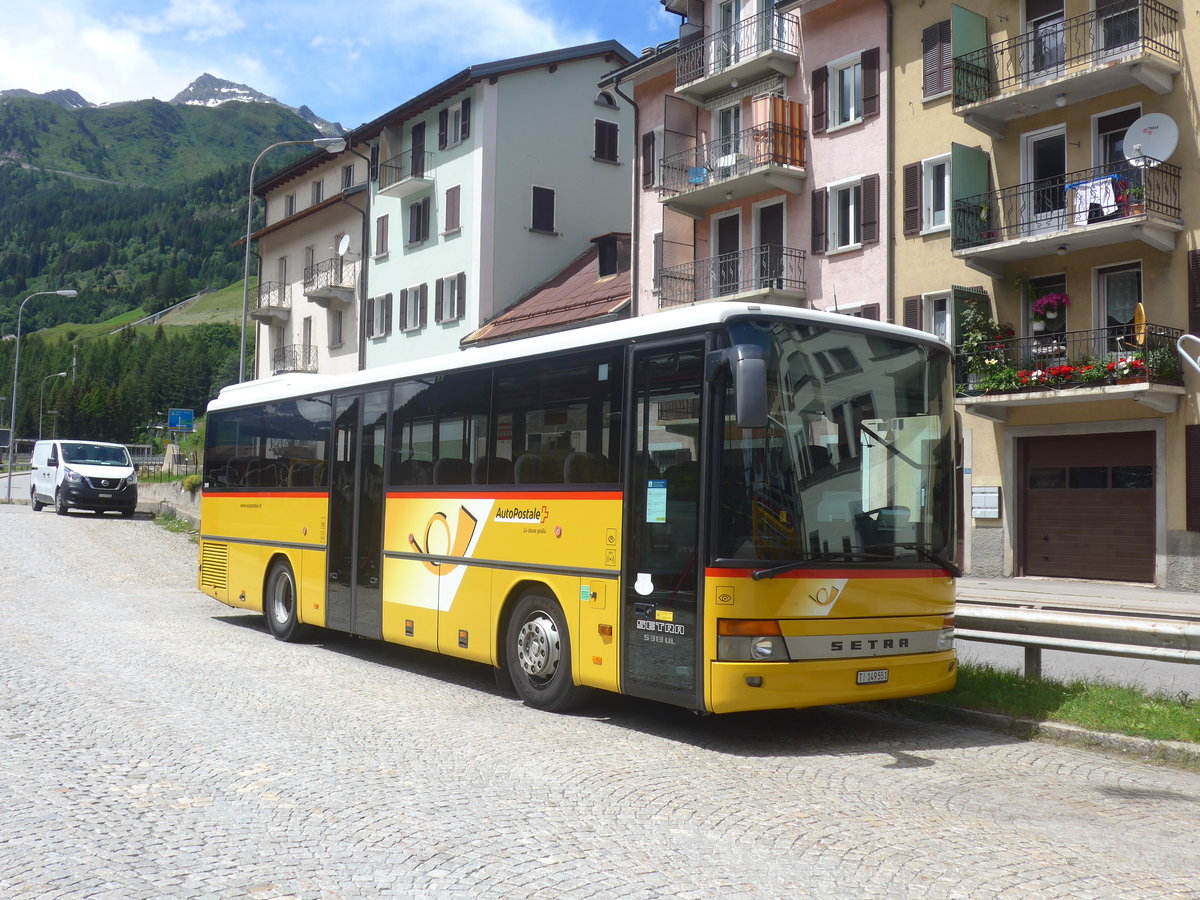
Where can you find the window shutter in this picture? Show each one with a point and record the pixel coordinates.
(820, 99)
(946, 58)
(870, 209)
(424, 294)
(460, 303)
(930, 57)
(371, 316)
(404, 317)
(870, 82)
(466, 119)
(648, 159)
(414, 223)
(912, 198)
(871, 311)
(373, 175)
(1194, 291)
(387, 313)
(439, 297)
(443, 129)
(425, 217)
(1192, 476)
(819, 219)
(658, 260)
(912, 312)
(452, 208)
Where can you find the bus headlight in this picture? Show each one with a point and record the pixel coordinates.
(750, 640)
(945, 639)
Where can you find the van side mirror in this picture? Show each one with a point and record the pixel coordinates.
(52, 462)
(748, 369)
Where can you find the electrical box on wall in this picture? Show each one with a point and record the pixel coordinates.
(985, 502)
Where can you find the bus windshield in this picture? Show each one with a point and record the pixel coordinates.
(856, 464)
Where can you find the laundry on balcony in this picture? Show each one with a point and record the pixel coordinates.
(1097, 199)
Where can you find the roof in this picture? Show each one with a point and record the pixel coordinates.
(663, 54)
(569, 299)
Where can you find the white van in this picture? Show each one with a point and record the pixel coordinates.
(83, 475)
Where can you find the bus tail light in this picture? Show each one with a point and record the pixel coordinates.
(946, 635)
(750, 640)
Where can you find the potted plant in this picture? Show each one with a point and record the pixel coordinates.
(1048, 306)
(1136, 197)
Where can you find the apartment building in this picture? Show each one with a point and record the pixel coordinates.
(763, 156)
(484, 186)
(1044, 151)
(311, 266)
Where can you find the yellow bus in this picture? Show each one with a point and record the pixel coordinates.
(725, 507)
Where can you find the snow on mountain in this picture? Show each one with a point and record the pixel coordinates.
(208, 90)
(65, 98)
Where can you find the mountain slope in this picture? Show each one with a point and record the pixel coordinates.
(208, 90)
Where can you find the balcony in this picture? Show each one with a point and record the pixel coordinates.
(1090, 208)
(406, 174)
(770, 273)
(1135, 362)
(1127, 44)
(294, 358)
(273, 303)
(755, 47)
(760, 158)
(331, 282)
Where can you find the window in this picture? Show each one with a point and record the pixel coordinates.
(336, 324)
(1120, 291)
(604, 98)
(418, 222)
(937, 66)
(450, 299)
(543, 210)
(935, 192)
(606, 141)
(413, 303)
(318, 191)
(244, 450)
(845, 91)
(938, 315)
(454, 124)
(379, 316)
(453, 211)
(845, 215)
(1045, 328)
(348, 176)
(310, 260)
(381, 236)
(440, 430)
(289, 205)
(650, 158)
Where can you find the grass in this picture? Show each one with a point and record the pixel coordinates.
(177, 525)
(1095, 706)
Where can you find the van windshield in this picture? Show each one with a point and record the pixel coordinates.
(94, 454)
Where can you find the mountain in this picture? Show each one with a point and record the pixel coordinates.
(65, 98)
(208, 90)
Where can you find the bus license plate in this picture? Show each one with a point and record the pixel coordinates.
(873, 676)
(105, 496)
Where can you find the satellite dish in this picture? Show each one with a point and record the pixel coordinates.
(1139, 325)
(343, 245)
(1151, 139)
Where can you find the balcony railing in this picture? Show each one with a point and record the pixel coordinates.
(1065, 47)
(733, 156)
(1071, 359)
(756, 36)
(273, 295)
(406, 166)
(1050, 206)
(769, 267)
(336, 272)
(294, 358)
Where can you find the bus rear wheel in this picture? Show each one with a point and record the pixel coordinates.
(538, 652)
(281, 604)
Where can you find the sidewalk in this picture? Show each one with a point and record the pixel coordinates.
(1091, 596)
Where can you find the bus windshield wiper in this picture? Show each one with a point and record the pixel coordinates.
(928, 553)
(839, 556)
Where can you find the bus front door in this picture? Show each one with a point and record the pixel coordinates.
(354, 595)
(662, 640)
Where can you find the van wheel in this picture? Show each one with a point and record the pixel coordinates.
(127, 513)
(60, 503)
(37, 504)
(280, 604)
(538, 653)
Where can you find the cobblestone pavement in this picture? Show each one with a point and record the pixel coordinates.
(154, 743)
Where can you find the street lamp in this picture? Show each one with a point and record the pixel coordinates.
(41, 395)
(334, 146)
(12, 422)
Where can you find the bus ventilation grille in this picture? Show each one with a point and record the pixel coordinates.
(214, 566)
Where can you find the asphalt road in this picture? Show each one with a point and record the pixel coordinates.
(154, 743)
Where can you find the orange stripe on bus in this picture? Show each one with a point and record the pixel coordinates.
(298, 495)
(832, 573)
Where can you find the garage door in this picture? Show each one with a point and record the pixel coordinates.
(1087, 507)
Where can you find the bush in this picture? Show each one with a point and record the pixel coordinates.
(191, 482)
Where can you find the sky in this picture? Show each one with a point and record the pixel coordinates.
(347, 60)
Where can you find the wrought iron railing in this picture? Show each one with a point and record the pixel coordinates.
(1065, 47)
(721, 50)
(406, 165)
(336, 272)
(1097, 356)
(1073, 200)
(766, 267)
(274, 295)
(294, 358)
(732, 156)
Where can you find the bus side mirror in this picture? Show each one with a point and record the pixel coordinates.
(748, 369)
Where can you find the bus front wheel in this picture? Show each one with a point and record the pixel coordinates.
(281, 604)
(538, 651)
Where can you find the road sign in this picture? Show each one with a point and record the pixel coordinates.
(180, 420)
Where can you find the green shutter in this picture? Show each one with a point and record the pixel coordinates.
(970, 203)
(969, 49)
(961, 297)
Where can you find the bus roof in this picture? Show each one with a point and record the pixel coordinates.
(682, 319)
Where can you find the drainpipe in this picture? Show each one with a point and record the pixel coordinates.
(891, 171)
(635, 240)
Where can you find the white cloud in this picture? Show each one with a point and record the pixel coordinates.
(199, 20)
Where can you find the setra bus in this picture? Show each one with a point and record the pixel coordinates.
(724, 507)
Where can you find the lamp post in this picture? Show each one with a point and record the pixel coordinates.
(41, 397)
(333, 145)
(12, 422)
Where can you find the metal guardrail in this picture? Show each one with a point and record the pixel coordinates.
(1163, 638)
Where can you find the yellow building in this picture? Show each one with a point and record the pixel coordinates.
(1044, 152)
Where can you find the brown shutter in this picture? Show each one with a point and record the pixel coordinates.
(912, 312)
(424, 305)
(819, 219)
(443, 129)
(870, 82)
(460, 308)
(1193, 291)
(1191, 452)
(404, 309)
(387, 313)
(870, 209)
(373, 175)
(870, 311)
(439, 294)
(371, 316)
(648, 159)
(946, 61)
(425, 219)
(820, 99)
(466, 119)
(912, 198)
(936, 63)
